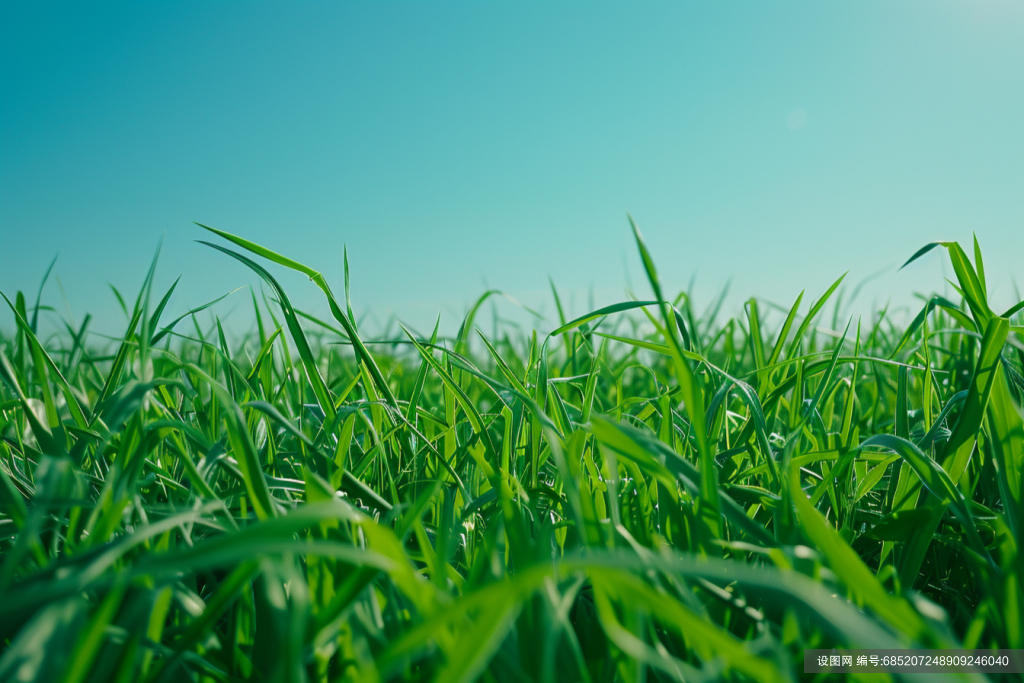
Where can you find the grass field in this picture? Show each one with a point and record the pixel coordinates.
(647, 493)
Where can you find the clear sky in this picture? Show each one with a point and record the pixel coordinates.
(457, 146)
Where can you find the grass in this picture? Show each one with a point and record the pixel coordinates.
(646, 493)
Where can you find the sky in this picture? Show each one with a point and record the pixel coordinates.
(458, 147)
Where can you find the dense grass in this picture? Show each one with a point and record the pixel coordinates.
(647, 493)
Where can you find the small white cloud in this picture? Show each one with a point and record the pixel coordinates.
(797, 119)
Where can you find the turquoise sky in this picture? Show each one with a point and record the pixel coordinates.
(455, 147)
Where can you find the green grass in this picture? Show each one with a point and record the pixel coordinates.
(649, 493)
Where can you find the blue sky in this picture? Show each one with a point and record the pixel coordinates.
(459, 146)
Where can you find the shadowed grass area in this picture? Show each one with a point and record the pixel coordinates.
(648, 493)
